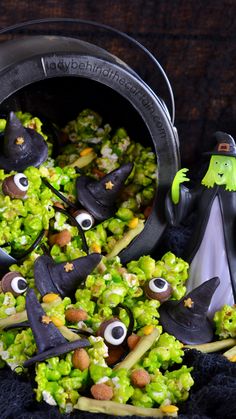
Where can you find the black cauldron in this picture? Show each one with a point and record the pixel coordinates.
(56, 74)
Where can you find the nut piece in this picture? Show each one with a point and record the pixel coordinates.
(74, 315)
(132, 341)
(61, 239)
(80, 359)
(140, 378)
(101, 391)
(58, 205)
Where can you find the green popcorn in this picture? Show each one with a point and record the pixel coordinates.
(7, 306)
(7, 338)
(98, 372)
(55, 394)
(96, 284)
(157, 389)
(107, 164)
(35, 182)
(122, 389)
(61, 222)
(64, 367)
(92, 236)
(147, 195)
(124, 214)
(41, 380)
(2, 124)
(140, 178)
(73, 249)
(131, 204)
(57, 254)
(179, 383)
(52, 374)
(113, 295)
(175, 271)
(58, 382)
(20, 303)
(166, 352)
(98, 351)
(133, 267)
(20, 350)
(146, 312)
(58, 311)
(141, 398)
(32, 224)
(147, 264)
(101, 233)
(72, 383)
(26, 268)
(83, 301)
(225, 322)
(85, 126)
(103, 313)
(31, 122)
(116, 226)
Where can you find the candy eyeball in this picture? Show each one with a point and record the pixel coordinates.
(85, 219)
(16, 185)
(158, 289)
(113, 331)
(13, 282)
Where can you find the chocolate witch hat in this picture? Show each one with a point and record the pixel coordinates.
(63, 278)
(49, 340)
(99, 196)
(22, 147)
(6, 260)
(186, 319)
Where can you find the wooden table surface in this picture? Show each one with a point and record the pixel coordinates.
(195, 42)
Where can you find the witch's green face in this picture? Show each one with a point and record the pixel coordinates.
(221, 169)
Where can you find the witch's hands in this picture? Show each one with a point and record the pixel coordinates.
(179, 178)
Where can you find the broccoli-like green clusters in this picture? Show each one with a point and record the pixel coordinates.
(16, 348)
(11, 305)
(98, 353)
(58, 382)
(166, 352)
(58, 311)
(225, 322)
(170, 267)
(110, 287)
(146, 313)
(170, 388)
(122, 388)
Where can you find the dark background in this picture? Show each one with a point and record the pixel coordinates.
(195, 42)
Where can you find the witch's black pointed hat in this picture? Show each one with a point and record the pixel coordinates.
(225, 145)
(99, 196)
(186, 319)
(49, 340)
(63, 278)
(22, 147)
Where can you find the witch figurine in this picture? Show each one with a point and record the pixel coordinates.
(211, 250)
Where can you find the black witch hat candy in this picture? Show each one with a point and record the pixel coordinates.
(63, 278)
(98, 197)
(49, 340)
(186, 319)
(22, 147)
